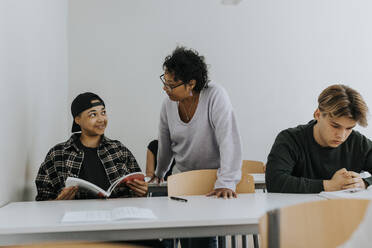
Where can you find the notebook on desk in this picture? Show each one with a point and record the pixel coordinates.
(127, 213)
(355, 193)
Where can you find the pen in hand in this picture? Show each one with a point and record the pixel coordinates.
(178, 199)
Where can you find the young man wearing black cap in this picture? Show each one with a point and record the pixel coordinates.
(89, 155)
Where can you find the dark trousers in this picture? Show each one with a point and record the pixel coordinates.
(208, 242)
(155, 243)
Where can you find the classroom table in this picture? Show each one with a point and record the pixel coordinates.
(201, 216)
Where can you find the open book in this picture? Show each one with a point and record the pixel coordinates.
(356, 193)
(128, 213)
(81, 183)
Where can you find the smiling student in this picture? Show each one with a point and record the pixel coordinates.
(326, 154)
(89, 155)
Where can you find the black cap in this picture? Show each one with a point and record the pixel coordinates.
(83, 102)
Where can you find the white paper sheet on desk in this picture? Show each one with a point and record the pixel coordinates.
(128, 213)
(355, 193)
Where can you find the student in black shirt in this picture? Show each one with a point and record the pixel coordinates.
(326, 154)
(151, 160)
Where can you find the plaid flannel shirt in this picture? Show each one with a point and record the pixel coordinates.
(65, 159)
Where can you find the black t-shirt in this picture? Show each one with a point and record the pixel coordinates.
(92, 169)
(153, 147)
(298, 164)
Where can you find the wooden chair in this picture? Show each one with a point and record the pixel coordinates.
(252, 166)
(327, 223)
(200, 182)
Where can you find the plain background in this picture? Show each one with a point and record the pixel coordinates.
(273, 57)
(33, 90)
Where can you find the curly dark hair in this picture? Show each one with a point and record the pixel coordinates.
(186, 64)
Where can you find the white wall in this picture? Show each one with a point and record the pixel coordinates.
(273, 57)
(33, 90)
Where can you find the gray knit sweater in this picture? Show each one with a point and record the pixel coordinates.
(209, 141)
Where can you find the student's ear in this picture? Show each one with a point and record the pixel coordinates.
(317, 114)
(77, 119)
(192, 83)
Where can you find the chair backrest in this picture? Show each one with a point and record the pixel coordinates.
(201, 182)
(252, 166)
(246, 184)
(326, 223)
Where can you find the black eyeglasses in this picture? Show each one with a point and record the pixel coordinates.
(167, 86)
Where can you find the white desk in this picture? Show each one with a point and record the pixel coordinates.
(25, 222)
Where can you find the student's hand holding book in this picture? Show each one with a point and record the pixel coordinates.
(343, 179)
(337, 181)
(354, 181)
(67, 193)
(139, 187)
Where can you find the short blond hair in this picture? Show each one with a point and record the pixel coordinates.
(340, 100)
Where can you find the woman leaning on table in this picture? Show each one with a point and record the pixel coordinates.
(197, 123)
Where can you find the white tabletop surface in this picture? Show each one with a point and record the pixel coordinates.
(23, 222)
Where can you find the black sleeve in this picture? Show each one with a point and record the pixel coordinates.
(282, 160)
(367, 155)
(153, 147)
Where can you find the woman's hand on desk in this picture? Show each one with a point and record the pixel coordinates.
(222, 192)
(139, 187)
(155, 179)
(67, 193)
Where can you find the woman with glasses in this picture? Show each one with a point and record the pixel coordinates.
(197, 128)
(197, 123)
